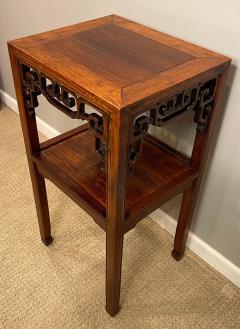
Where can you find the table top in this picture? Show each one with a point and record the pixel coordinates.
(117, 62)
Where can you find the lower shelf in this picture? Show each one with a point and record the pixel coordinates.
(71, 163)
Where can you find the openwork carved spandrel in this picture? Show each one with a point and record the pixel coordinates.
(35, 83)
(195, 98)
(205, 104)
(179, 103)
(199, 98)
(31, 89)
(140, 130)
(59, 96)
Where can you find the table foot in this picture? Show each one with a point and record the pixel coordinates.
(112, 312)
(176, 255)
(48, 240)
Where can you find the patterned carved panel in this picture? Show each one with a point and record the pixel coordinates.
(195, 98)
(35, 83)
(199, 98)
(140, 130)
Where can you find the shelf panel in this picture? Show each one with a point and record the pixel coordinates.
(71, 163)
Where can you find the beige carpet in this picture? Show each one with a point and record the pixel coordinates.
(62, 286)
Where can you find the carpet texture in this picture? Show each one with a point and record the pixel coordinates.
(62, 286)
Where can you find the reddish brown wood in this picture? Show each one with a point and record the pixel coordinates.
(116, 191)
(198, 161)
(64, 136)
(31, 140)
(184, 222)
(141, 62)
(122, 69)
(82, 174)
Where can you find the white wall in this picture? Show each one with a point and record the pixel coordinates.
(213, 24)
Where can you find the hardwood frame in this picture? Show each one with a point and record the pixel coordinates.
(121, 141)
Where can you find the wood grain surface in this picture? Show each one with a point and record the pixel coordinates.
(114, 62)
(73, 161)
(134, 77)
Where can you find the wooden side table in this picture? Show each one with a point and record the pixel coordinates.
(133, 77)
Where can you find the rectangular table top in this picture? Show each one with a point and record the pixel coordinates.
(116, 61)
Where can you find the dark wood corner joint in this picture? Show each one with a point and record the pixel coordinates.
(133, 77)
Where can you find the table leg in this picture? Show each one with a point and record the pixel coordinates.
(31, 140)
(113, 274)
(40, 196)
(116, 186)
(198, 161)
(184, 222)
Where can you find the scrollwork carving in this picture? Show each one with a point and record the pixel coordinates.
(195, 98)
(59, 96)
(140, 130)
(31, 89)
(205, 104)
(199, 98)
(35, 83)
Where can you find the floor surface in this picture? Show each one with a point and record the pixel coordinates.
(62, 286)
